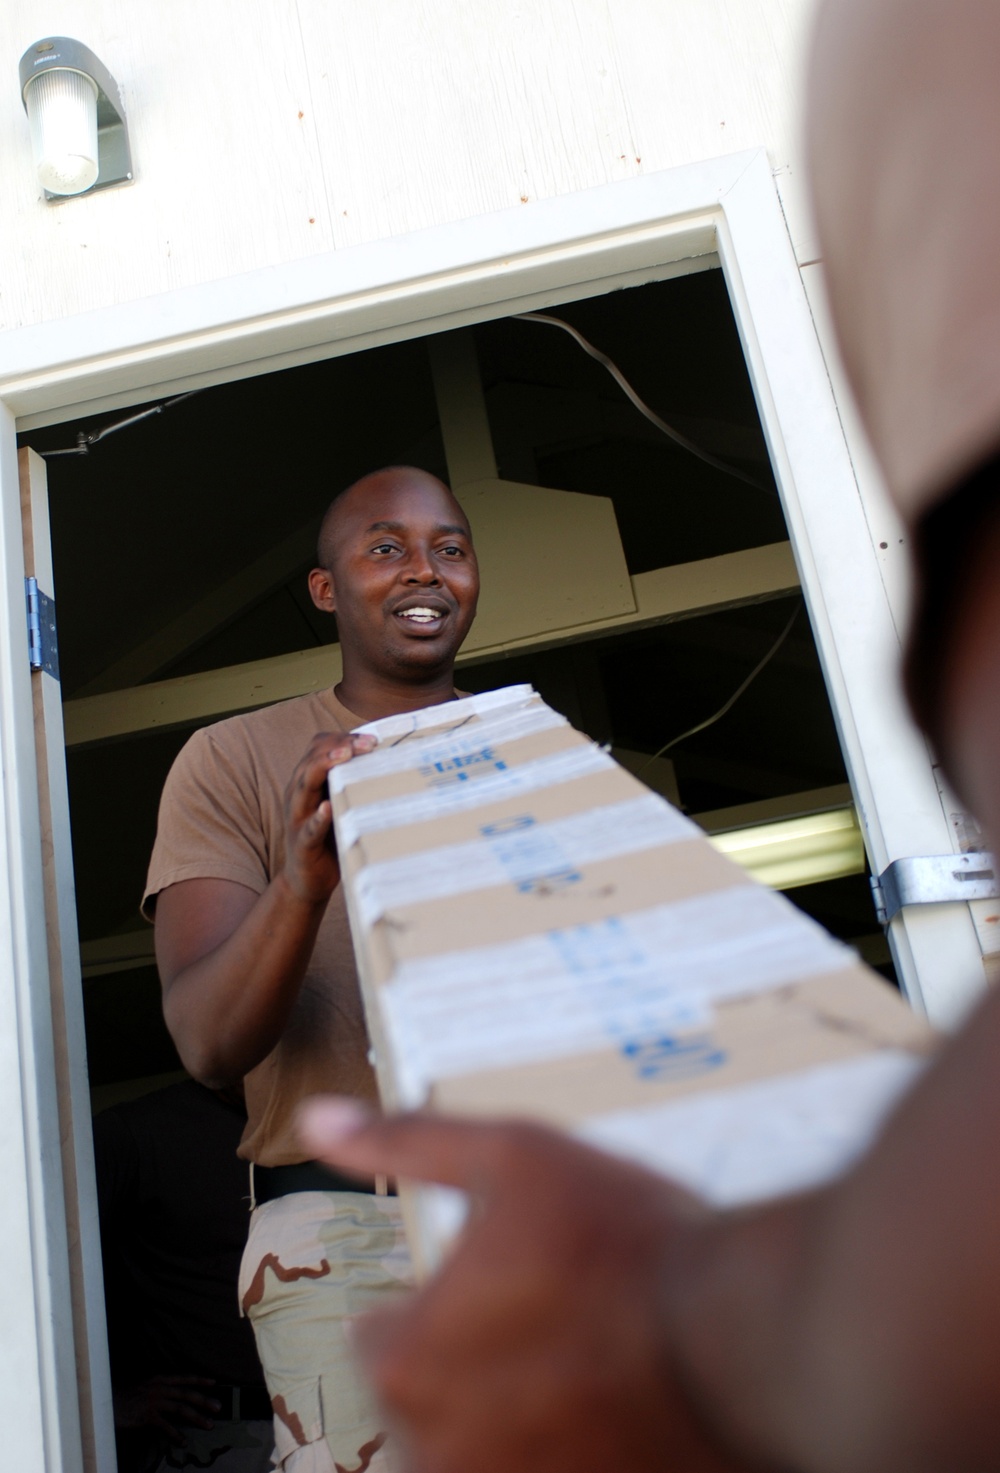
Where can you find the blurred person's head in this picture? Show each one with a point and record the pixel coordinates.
(904, 114)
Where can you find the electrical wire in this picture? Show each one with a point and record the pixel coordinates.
(84, 441)
(711, 720)
(640, 404)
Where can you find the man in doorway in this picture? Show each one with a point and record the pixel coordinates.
(255, 956)
(592, 1316)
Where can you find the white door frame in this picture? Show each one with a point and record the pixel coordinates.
(449, 276)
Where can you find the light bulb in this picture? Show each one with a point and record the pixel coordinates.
(62, 111)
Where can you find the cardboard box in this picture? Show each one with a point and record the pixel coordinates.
(538, 934)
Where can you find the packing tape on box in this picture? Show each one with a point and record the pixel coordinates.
(449, 757)
(442, 801)
(765, 1139)
(451, 713)
(521, 852)
(633, 977)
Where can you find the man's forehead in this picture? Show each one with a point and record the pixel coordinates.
(453, 529)
(381, 503)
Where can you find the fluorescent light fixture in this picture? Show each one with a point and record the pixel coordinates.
(78, 133)
(798, 851)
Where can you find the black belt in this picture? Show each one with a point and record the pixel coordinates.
(270, 1182)
(240, 1403)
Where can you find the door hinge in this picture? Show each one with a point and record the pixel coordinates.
(932, 879)
(43, 647)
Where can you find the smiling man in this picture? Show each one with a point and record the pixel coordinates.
(255, 956)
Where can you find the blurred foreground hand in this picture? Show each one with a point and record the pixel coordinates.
(540, 1346)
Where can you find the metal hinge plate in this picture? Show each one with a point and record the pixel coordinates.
(933, 879)
(43, 647)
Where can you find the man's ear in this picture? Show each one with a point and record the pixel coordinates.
(321, 590)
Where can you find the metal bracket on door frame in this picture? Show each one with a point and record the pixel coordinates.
(43, 646)
(932, 879)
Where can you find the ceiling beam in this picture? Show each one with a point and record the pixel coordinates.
(465, 425)
(226, 601)
(516, 525)
(661, 596)
(120, 953)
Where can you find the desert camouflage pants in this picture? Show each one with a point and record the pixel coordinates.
(314, 1261)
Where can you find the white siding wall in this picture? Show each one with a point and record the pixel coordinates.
(264, 131)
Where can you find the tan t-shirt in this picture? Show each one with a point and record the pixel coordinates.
(221, 817)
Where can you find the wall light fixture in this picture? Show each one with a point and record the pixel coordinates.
(78, 132)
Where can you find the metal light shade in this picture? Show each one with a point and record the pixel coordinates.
(62, 112)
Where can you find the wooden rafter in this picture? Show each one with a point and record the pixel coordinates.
(661, 596)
